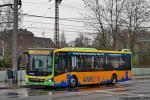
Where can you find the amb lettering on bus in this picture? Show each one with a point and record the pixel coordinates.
(91, 79)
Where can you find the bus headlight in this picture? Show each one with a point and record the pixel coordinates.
(26, 79)
(49, 80)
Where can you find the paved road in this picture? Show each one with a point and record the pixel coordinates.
(135, 89)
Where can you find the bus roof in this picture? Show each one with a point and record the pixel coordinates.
(41, 49)
(44, 51)
(89, 50)
(77, 48)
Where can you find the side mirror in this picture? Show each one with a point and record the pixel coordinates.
(23, 60)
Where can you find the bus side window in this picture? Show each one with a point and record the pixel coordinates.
(60, 64)
(85, 63)
(129, 62)
(99, 63)
(89, 63)
(93, 63)
(56, 64)
(74, 63)
(122, 65)
(108, 63)
(79, 63)
(68, 66)
(126, 62)
(115, 60)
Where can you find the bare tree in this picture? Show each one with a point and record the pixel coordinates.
(79, 41)
(63, 40)
(96, 20)
(6, 23)
(136, 13)
(111, 19)
(106, 16)
(112, 11)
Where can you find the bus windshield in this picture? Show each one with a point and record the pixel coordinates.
(40, 63)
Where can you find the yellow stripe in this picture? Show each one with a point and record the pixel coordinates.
(39, 52)
(93, 51)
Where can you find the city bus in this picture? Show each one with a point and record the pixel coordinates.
(72, 67)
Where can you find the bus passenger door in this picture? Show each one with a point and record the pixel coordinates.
(73, 64)
(60, 70)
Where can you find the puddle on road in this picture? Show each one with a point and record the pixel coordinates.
(26, 93)
(12, 94)
(122, 90)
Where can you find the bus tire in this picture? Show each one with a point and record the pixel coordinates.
(113, 79)
(73, 82)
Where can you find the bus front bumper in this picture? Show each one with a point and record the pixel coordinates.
(39, 83)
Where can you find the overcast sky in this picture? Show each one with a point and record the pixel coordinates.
(44, 26)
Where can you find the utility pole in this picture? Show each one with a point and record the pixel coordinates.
(14, 46)
(56, 34)
(15, 39)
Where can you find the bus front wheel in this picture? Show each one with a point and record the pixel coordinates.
(114, 79)
(73, 82)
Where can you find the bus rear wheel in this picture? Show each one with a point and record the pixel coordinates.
(114, 79)
(73, 82)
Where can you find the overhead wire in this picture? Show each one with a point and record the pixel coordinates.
(62, 25)
(67, 6)
(64, 19)
(39, 28)
(34, 3)
(68, 19)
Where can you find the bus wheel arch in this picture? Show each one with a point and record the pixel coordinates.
(73, 81)
(114, 79)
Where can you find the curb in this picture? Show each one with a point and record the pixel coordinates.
(13, 87)
(140, 77)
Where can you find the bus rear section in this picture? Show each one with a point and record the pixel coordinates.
(75, 68)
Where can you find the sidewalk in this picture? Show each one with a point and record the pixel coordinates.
(141, 77)
(8, 85)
